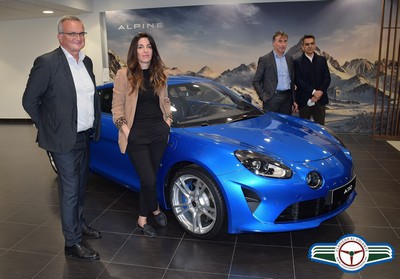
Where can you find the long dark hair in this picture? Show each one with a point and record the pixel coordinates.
(158, 78)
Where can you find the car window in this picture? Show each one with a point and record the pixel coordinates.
(106, 99)
(207, 103)
(196, 104)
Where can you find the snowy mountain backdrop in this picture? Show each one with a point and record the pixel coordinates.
(351, 93)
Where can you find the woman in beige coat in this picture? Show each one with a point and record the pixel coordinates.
(142, 112)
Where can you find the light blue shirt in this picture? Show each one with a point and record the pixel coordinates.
(283, 72)
(84, 91)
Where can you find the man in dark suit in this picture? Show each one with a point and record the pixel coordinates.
(274, 77)
(312, 79)
(61, 99)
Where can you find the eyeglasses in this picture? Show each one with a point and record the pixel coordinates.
(74, 34)
(307, 44)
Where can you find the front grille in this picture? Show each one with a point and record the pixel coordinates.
(310, 209)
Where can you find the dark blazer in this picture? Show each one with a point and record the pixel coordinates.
(50, 100)
(266, 77)
(310, 76)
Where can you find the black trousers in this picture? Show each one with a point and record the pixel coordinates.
(146, 145)
(280, 102)
(317, 112)
(72, 170)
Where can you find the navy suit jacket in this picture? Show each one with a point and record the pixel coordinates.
(50, 100)
(266, 77)
(306, 81)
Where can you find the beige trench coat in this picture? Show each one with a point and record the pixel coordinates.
(124, 105)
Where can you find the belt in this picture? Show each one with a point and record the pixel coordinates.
(283, 91)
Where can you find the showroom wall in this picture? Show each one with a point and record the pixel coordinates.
(23, 40)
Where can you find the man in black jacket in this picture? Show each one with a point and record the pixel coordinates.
(312, 79)
(61, 99)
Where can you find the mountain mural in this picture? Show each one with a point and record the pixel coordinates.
(351, 92)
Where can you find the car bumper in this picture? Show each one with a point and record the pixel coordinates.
(258, 204)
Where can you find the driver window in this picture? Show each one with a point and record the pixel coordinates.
(106, 99)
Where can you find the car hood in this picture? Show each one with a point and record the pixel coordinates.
(282, 137)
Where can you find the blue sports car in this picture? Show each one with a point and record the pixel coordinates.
(230, 167)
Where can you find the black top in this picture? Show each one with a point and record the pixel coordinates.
(148, 105)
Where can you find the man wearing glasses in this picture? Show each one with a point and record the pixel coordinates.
(61, 99)
(312, 79)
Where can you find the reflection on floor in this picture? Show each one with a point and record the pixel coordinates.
(31, 243)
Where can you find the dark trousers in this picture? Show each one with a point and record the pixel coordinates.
(280, 102)
(317, 112)
(72, 170)
(146, 145)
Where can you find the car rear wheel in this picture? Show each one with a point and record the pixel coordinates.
(197, 202)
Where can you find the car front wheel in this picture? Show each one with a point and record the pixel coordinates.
(197, 202)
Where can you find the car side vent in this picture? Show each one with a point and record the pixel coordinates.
(252, 199)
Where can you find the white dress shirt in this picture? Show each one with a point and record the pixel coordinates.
(84, 91)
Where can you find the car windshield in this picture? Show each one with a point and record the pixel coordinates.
(202, 104)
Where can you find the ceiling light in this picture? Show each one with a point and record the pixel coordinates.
(48, 12)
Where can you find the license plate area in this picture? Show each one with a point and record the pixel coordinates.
(341, 193)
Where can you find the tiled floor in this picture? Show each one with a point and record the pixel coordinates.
(31, 243)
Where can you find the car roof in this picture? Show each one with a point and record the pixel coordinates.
(171, 80)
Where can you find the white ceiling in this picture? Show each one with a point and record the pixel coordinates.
(30, 9)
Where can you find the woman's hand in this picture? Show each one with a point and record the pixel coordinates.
(125, 130)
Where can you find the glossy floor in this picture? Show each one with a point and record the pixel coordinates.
(31, 243)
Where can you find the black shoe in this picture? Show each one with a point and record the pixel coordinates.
(81, 251)
(161, 219)
(89, 232)
(147, 230)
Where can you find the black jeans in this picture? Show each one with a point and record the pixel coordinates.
(72, 171)
(146, 145)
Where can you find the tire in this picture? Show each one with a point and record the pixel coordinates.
(52, 164)
(197, 203)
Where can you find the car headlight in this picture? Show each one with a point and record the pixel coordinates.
(263, 165)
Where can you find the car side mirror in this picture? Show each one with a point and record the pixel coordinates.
(247, 97)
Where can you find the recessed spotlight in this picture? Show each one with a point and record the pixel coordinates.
(48, 12)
